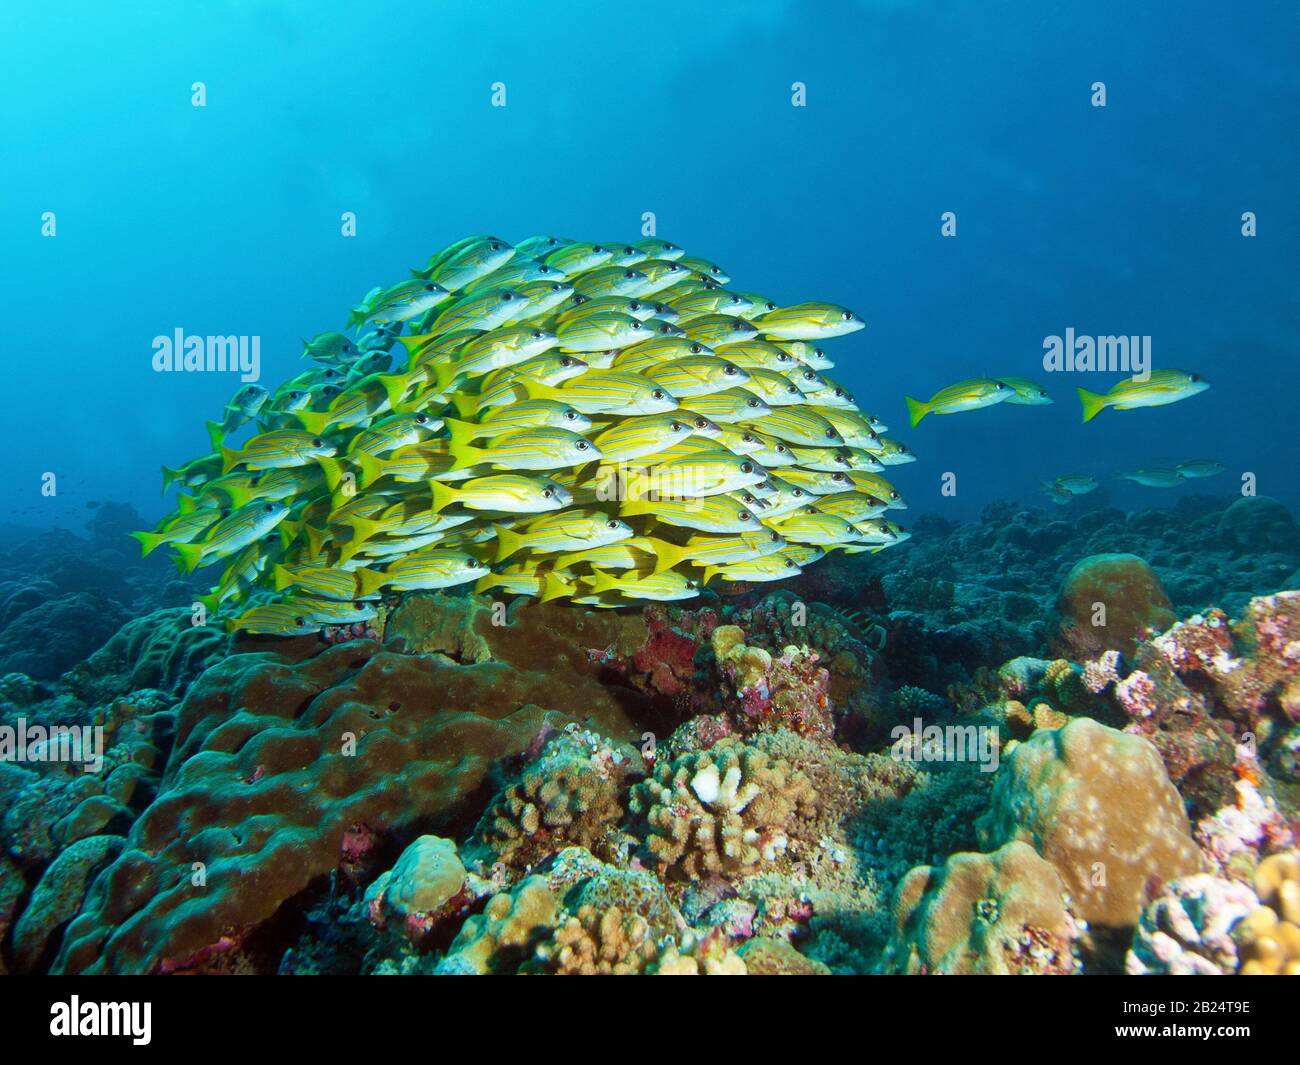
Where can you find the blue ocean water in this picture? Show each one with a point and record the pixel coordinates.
(225, 219)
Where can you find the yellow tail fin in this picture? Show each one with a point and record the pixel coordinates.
(148, 541)
(188, 557)
(370, 582)
(1093, 404)
(459, 445)
(916, 410)
(314, 421)
(554, 587)
(443, 495)
(667, 555)
(508, 542)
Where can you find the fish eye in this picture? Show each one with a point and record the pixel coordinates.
(729, 370)
(838, 478)
(565, 360)
(746, 467)
(715, 270)
(634, 305)
(751, 403)
(658, 393)
(798, 493)
(318, 442)
(494, 246)
(552, 241)
(747, 438)
(543, 269)
(669, 247)
(1196, 377)
(696, 349)
(538, 334)
(556, 287)
(582, 445)
(358, 605)
(781, 449)
(738, 325)
(629, 275)
(848, 316)
(612, 523)
(665, 329)
(571, 415)
(300, 622)
(676, 427)
(506, 297)
(834, 434)
(741, 515)
(429, 287)
(547, 493)
(629, 251)
(894, 494)
(597, 248)
(701, 423)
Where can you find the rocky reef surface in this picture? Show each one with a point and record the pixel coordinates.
(1043, 742)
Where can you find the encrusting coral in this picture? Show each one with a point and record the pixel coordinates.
(721, 812)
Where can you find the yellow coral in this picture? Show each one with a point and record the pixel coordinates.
(1270, 936)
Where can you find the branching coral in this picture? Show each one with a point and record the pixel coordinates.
(569, 795)
(722, 812)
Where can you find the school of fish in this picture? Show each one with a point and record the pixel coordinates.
(603, 423)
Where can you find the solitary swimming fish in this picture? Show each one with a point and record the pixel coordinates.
(1157, 477)
(1161, 388)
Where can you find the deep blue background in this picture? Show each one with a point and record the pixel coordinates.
(226, 219)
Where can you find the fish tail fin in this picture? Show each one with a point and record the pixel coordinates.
(632, 507)
(709, 573)
(333, 470)
(466, 406)
(667, 555)
(487, 582)
(186, 504)
(188, 557)
(443, 495)
(1092, 403)
(459, 446)
(283, 578)
(444, 375)
(209, 602)
(602, 582)
(169, 477)
(371, 468)
(395, 386)
(229, 458)
(536, 389)
(357, 316)
(217, 434)
(148, 541)
(554, 587)
(370, 582)
(314, 421)
(508, 542)
(362, 530)
(916, 410)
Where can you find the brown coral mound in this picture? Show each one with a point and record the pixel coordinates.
(1269, 937)
(278, 767)
(1098, 805)
(999, 913)
(1129, 590)
(724, 812)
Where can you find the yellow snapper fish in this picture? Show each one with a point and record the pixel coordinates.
(808, 321)
(1027, 393)
(517, 407)
(1160, 388)
(973, 394)
(1157, 477)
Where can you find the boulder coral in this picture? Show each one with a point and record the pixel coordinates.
(1098, 805)
(1127, 588)
(1000, 913)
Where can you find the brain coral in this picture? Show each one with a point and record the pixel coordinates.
(999, 913)
(277, 765)
(725, 811)
(1098, 805)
